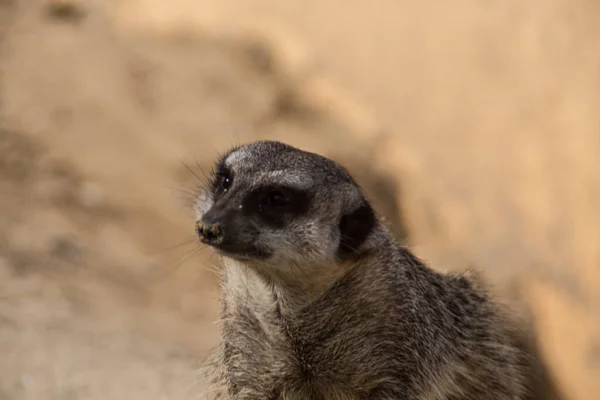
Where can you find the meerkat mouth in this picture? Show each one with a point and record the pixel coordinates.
(214, 236)
(248, 253)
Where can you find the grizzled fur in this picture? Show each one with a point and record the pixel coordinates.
(320, 302)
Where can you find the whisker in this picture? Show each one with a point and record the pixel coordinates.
(175, 246)
(212, 267)
(191, 170)
(182, 191)
(180, 261)
(207, 177)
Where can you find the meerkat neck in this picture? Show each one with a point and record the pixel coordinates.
(297, 289)
(296, 286)
(292, 287)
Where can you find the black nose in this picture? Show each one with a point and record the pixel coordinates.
(210, 229)
(209, 233)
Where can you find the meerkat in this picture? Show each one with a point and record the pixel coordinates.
(320, 302)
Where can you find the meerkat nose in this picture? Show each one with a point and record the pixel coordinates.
(209, 233)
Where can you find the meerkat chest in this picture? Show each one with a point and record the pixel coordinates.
(254, 346)
(261, 357)
(262, 361)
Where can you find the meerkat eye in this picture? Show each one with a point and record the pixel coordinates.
(223, 180)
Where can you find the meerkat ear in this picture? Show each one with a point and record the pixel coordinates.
(354, 229)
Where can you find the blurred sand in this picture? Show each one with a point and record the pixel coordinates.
(473, 126)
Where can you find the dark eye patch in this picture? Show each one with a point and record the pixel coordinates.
(277, 205)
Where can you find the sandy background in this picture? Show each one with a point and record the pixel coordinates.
(473, 126)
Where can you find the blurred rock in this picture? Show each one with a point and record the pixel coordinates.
(90, 195)
(38, 230)
(117, 246)
(5, 269)
(68, 10)
(568, 331)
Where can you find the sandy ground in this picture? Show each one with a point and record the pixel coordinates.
(472, 126)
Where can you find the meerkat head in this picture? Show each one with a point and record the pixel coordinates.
(271, 203)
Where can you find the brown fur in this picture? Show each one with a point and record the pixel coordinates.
(334, 308)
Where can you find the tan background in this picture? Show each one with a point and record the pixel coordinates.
(473, 125)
